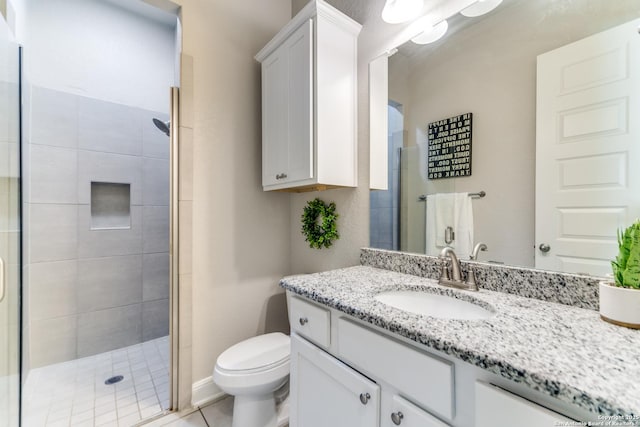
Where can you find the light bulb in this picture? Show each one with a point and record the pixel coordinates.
(432, 33)
(399, 11)
(480, 8)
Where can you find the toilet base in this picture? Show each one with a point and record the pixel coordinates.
(254, 411)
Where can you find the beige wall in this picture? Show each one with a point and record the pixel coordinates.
(240, 234)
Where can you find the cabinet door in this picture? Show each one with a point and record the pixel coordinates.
(326, 392)
(287, 99)
(498, 408)
(275, 117)
(300, 100)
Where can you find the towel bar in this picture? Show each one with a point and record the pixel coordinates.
(478, 195)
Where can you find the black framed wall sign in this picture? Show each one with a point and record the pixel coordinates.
(449, 147)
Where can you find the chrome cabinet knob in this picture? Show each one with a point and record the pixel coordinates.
(364, 398)
(303, 321)
(544, 247)
(397, 417)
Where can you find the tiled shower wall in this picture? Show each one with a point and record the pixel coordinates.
(93, 290)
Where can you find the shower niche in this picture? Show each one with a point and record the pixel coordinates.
(110, 206)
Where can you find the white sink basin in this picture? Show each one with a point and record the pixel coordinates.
(434, 305)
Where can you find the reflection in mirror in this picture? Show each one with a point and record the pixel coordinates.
(488, 66)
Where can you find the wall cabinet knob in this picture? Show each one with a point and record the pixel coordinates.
(281, 176)
(397, 417)
(364, 398)
(303, 321)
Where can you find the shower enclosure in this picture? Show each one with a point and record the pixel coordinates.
(9, 229)
(96, 172)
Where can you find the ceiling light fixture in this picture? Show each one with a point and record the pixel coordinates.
(399, 11)
(432, 33)
(480, 8)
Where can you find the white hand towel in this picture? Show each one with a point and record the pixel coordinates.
(440, 214)
(463, 220)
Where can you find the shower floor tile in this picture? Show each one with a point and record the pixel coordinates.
(73, 393)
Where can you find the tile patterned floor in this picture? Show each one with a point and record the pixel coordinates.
(74, 394)
(218, 414)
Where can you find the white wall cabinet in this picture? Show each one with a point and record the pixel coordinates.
(309, 114)
(406, 385)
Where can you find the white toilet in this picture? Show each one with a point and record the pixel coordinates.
(252, 371)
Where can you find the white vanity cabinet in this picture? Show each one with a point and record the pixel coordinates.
(309, 89)
(346, 373)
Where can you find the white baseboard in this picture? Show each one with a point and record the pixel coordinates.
(204, 392)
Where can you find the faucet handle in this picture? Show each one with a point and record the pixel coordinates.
(471, 280)
(445, 273)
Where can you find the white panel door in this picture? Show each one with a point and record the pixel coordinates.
(587, 150)
(300, 76)
(275, 117)
(326, 392)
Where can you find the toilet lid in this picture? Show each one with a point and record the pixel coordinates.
(256, 352)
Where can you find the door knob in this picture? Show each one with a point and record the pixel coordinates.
(544, 247)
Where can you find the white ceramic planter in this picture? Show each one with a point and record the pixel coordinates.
(620, 306)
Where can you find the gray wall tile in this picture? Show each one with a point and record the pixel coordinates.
(102, 243)
(106, 330)
(54, 118)
(53, 341)
(156, 229)
(155, 276)
(52, 289)
(54, 175)
(106, 167)
(109, 127)
(155, 319)
(154, 142)
(109, 282)
(155, 179)
(53, 232)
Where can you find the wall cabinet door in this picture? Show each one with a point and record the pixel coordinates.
(287, 148)
(326, 392)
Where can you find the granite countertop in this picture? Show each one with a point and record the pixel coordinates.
(563, 351)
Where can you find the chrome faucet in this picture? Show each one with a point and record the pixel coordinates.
(477, 248)
(471, 276)
(451, 275)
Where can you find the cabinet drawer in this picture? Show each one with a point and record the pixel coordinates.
(310, 321)
(406, 414)
(499, 408)
(423, 378)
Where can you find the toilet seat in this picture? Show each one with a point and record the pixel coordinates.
(255, 366)
(259, 353)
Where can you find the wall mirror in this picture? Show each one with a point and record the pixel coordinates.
(555, 139)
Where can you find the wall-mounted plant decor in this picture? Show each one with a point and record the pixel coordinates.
(319, 224)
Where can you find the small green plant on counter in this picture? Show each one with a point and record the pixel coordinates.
(319, 224)
(626, 267)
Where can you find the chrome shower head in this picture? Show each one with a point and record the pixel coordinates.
(163, 126)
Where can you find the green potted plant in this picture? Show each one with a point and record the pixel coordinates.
(620, 297)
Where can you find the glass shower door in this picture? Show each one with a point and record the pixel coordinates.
(9, 229)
